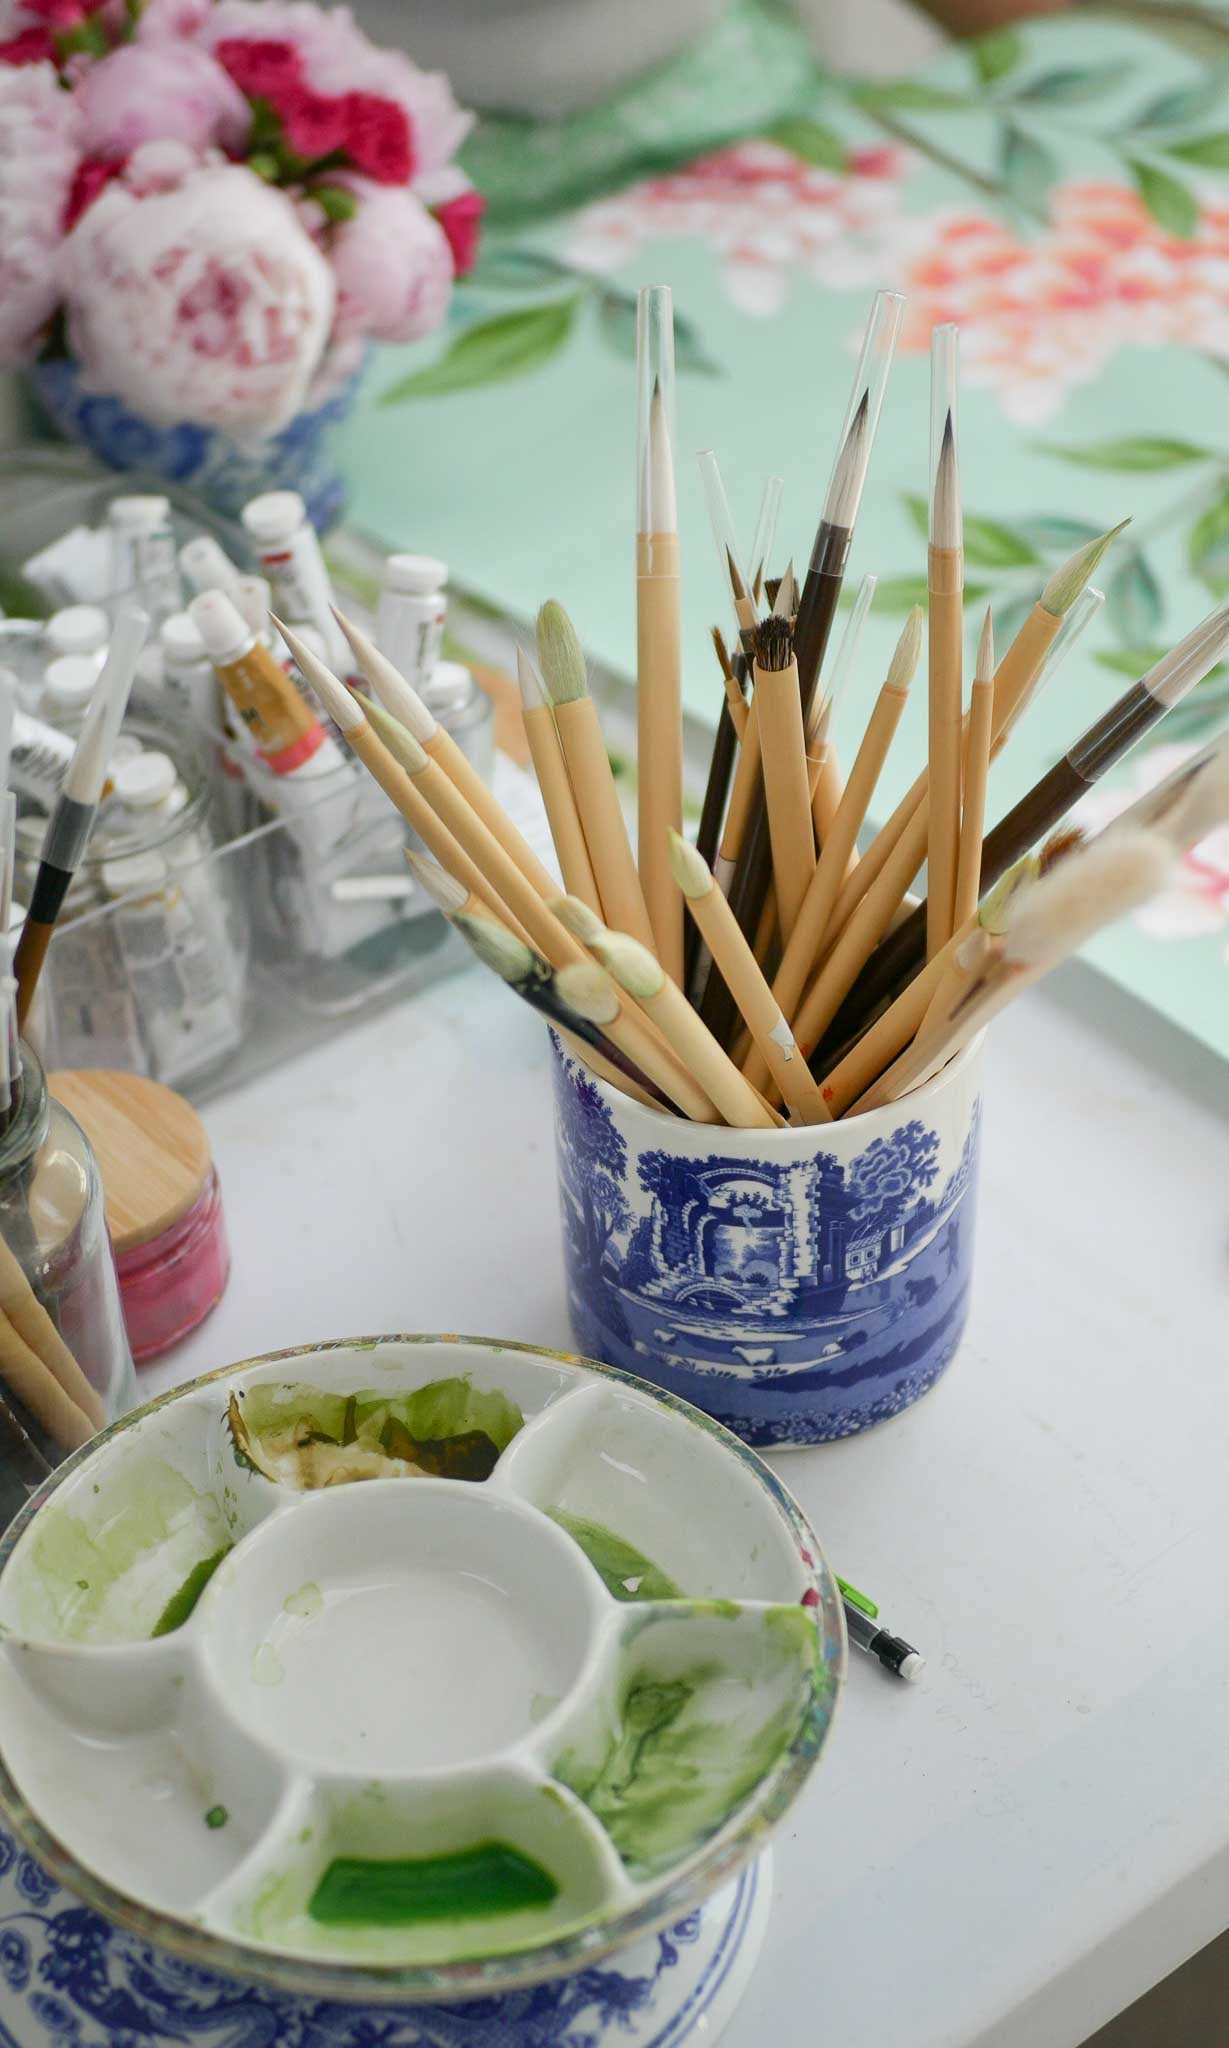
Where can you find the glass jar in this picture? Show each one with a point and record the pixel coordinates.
(65, 1366)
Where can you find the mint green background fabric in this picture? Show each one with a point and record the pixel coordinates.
(1083, 162)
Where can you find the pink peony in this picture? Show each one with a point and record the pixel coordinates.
(162, 21)
(147, 92)
(28, 46)
(205, 302)
(392, 264)
(40, 148)
(459, 209)
(336, 60)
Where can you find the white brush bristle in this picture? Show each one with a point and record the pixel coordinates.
(1091, 888)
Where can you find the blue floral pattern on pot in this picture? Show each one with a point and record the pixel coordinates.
(796, 1297)
(69, 1979)
(224, 473)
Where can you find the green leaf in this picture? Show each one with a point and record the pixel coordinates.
(1134, 605)
(1129, 661)
(919, 512)
(898, 593)
(1207, 547)
(1210, 151)
(812, 142)
(1068, 85)
(338, 204)
(997, 54)
(1171, 203)
(509, 346)
(517, 270)
(1183, 103)
(616, 318)
(1028, 168)
(907, 96)
(987, 545)
(1136, 452)
(1055, 534)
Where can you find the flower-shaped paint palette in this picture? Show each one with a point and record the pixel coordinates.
(452, 1664)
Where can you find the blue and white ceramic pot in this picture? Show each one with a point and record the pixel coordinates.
(797, 1284)
(222, 472)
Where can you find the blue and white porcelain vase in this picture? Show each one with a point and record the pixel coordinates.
(797, 1284)
(222, 472)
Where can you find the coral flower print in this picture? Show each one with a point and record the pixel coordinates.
(1042, 316)
(1196, 903)
(766, 214)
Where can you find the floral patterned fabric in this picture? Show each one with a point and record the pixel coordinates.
(1061, 190)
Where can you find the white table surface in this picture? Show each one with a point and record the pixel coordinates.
(1012, 1851)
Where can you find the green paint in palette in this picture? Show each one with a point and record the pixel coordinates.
(181, 1603)
(626, 1572)
(403, 1891)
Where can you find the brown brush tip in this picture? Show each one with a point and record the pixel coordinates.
(723, 653)
(771, 586)
(736, 582)
(774, 644)
(1057, 847)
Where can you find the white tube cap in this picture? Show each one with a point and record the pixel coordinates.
(222, 627)
(138, 514)
(448, 688)
(181, 639)
(207, 565)
(148, 779)
(78, 629)
(415, 575)
(146, 872)
(69, 683)
(275, 515)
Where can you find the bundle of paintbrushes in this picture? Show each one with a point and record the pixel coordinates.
(774, 972)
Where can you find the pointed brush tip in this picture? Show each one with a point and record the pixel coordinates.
(985, 650)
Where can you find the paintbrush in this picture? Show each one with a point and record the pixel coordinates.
(741, 972)
(590, 992)
(945, 581)
(1085, 762)
(642, 977)
(556, 789)
(1092, 887)
(659, 707)
(976, 771)
(588, 766)
(77, 804)
(1016, 680)
(806, 945)
(403, 702)
(784, 759)
(826, 788)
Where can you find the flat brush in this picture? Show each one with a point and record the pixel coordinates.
(76, 807)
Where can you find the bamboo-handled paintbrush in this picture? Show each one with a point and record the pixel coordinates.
(945, 578)
(556, 788)
(783, 751)
(976, 770)
(658, 629)
(403, 702)
(741, 972)
(1093, 887)
(588, 765)
(590, 991)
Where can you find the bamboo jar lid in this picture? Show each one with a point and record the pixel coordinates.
(151, 1146)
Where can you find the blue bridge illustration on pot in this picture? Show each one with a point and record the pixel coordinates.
(796, 1302)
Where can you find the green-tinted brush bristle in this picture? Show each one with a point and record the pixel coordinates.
(559, 651)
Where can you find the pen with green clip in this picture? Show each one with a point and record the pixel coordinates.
(862, 1622)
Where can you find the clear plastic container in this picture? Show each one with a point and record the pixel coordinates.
(65, 1365)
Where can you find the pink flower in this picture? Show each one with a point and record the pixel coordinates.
(459, 210)
(204, 302)
(392, 263)
(265, 68)
(29, 46)
(89, 179)
(145, 92)
(40, 148)
(163, 21)
(313, 124)
(336, 60)
(379, 140)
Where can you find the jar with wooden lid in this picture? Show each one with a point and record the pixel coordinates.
(65, 1366)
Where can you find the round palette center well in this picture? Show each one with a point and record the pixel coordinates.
(399, 1627)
